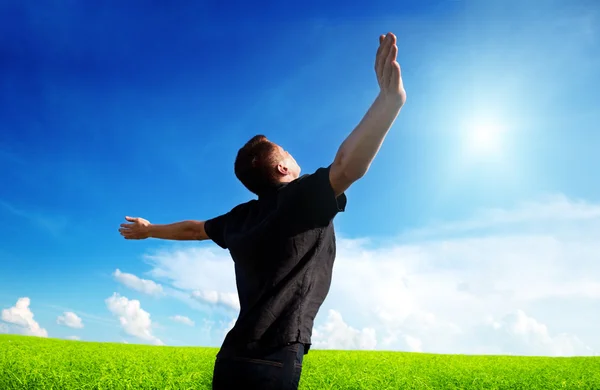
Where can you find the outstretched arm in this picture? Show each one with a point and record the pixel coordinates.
(362, 145)
(139, 229)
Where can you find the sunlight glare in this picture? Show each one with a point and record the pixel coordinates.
(484, 137)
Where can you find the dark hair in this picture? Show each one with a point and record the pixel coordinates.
(255, 164)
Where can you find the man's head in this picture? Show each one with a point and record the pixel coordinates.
(261, 164)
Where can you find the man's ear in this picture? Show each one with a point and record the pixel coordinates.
(282, 169)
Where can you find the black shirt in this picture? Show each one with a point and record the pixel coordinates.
(283, 247)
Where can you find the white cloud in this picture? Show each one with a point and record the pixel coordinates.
(198, 268)
(435, 288)
(519, 334)
(76, 338)
(199, 276)
(229, 326)
(142, 285)
(336, 334)
(87, 316)
(217, 298)
(440, 284)
(413, 343)
(207, 325)
(182, 320)
(134, 320)
(70, 319)
(551, 213)
(205, 273)
(21, 317)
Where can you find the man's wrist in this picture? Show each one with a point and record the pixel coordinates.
(391, 101)
(151, 230)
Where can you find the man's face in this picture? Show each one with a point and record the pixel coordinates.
(288, 164)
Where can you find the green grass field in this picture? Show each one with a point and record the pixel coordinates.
(38, 363)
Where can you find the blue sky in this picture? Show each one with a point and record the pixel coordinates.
(112, 110)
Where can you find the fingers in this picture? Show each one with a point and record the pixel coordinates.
(130, 234)
(389, 65)
(396, 80)
(130, 231)
(383, 52)
(127, 228)
(378, 57)
(379, 49)
(133, 230)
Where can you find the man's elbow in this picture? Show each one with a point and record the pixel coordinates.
(196, 231)
(350, 169)
(343, 175)
(354, 173)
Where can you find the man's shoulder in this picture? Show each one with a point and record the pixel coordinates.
(307, 177)
(307, 187)
(244, 207)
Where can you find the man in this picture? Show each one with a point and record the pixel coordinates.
(283, 243)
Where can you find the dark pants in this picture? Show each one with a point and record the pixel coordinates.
(274, 370)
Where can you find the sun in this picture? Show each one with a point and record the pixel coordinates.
(484, 137)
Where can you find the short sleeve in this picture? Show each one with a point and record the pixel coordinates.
(215, 230)
(317, 197)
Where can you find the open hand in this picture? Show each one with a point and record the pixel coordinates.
(388, 70)
(138, 229)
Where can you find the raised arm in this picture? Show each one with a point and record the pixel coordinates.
(356, 153)
(139, 229)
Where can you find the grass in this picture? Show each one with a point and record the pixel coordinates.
(38, 363)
